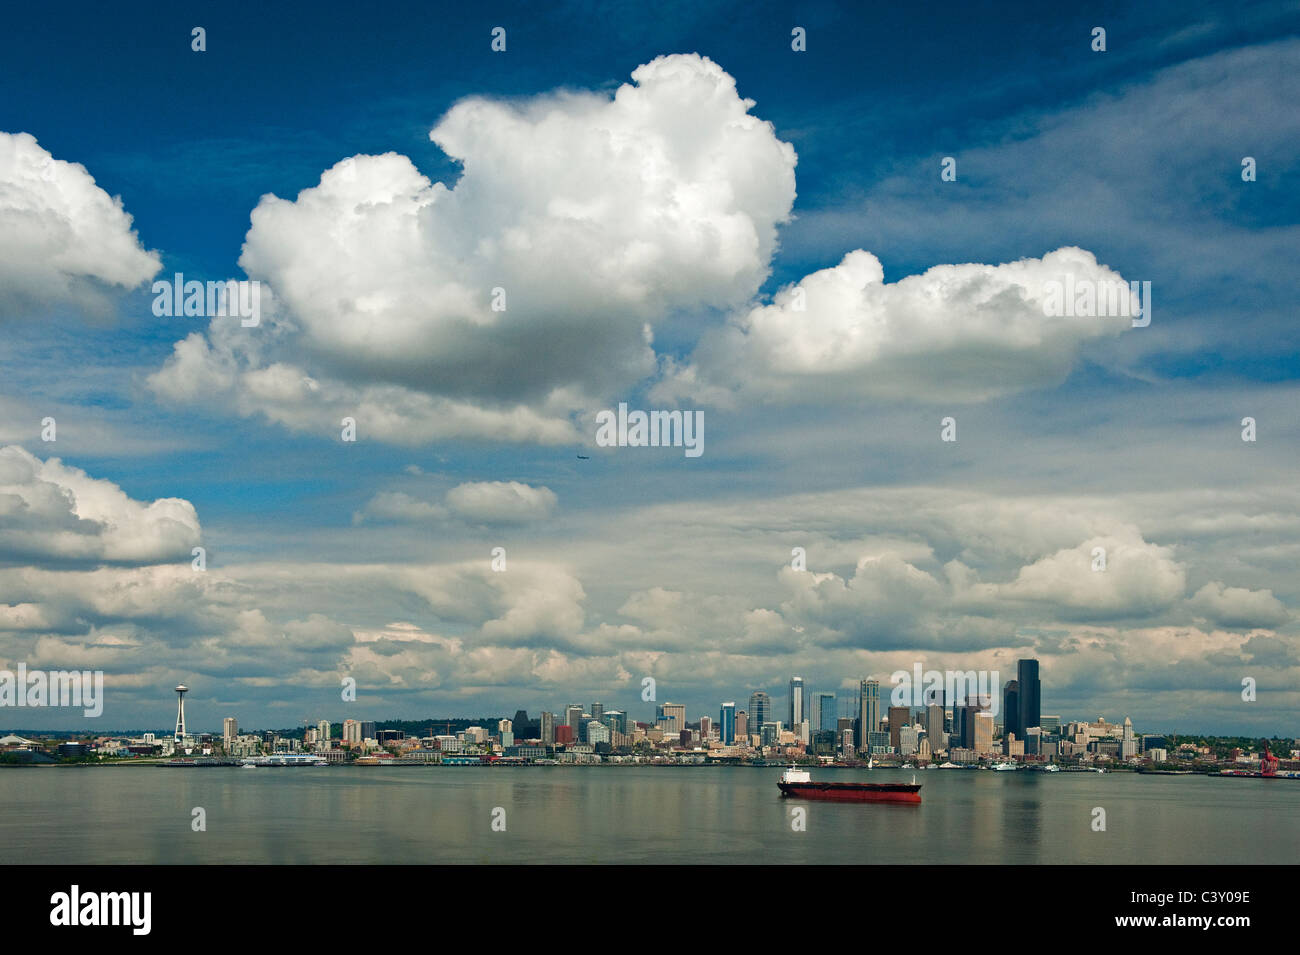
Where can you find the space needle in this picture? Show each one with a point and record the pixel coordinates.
(181, 690)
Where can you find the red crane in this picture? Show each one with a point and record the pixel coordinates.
(1268, 762)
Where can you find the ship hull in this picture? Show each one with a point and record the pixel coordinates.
(854, 792)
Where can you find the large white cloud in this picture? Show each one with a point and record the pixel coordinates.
(51, 511)
(62, 238)
(597, 216)
(953, 333)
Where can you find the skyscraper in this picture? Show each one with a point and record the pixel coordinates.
(597, 711)
(824, 710)
(1011, 709)
(1030, 703)
(760, 711)
(868, 711)
(229, 728)
(548, 728)
(573, 717)
(899, 716)
(616, 720)
(727, 723)
(796, 703)
(934, 731)
(983, 732)
(673, 717)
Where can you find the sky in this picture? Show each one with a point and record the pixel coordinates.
(825, 253)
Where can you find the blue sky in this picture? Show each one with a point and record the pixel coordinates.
(329, 558)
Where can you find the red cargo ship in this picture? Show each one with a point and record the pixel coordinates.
(797, 783)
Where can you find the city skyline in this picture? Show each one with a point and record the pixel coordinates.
(865, 702)
(842, 260)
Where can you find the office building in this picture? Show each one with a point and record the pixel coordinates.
(1030, 703)
(908, 740)
(672, 718)
(899, 716)
(868, 711)
(934, 731)
(760, 711)
(796, 703)
(824, 710)
(548, 728)
(983, 731)
(573, 717)
(1011, 710)
(727, 723)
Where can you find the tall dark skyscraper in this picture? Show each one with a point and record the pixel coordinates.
(1031, 702)
(1011, 709)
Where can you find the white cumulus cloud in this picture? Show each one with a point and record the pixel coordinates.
(500, 306)
(62, 238)
(51, 511)
(955, 332)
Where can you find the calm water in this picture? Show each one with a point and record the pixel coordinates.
(630, 815)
